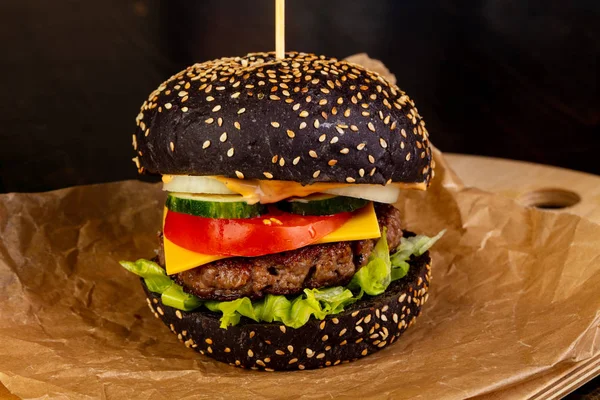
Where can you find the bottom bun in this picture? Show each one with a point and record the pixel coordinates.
(365, 327)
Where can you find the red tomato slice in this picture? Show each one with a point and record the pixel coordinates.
(270, 233)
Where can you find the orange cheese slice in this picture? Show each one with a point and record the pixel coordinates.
(362, 225)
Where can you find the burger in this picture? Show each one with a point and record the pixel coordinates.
(281, 248)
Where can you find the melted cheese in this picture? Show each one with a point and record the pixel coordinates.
(362, 225)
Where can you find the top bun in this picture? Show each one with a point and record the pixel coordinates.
(305, 118)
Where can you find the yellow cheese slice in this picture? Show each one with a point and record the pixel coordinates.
(362, 225)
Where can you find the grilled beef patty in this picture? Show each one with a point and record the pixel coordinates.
(315, 266)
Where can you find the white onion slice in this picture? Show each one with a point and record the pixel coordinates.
(196, 184)
(381, 194)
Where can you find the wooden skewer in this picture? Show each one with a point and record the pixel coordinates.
(280, 28)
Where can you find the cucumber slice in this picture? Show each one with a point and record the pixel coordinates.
(321, 204)
(214, 206)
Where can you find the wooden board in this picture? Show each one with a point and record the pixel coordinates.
(518, 179)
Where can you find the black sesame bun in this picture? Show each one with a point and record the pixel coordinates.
(304, 118)
(364, 328)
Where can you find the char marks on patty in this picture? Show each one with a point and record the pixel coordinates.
(287, 273)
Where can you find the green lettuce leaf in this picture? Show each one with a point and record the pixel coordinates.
(376, 276)
(293, 313)
(154, 276)
(412, 246)
(175, 297)
(372, 279)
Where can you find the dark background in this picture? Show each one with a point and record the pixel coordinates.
(506, 78)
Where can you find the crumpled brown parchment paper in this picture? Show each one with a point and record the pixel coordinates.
(514, 304)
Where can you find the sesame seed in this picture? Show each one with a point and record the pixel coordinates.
(371, 127)
(290, 348)
(275, 124)
(250, 353)
(312, 153)
(279, 352)
(342, 332)
(274, 97)
(322, 138)
(355, 313)
(220, 121)
(408, 157)
(296, 160)
(296, 107)
(294, 360)
(302, 125)
(309, 352)
(334, 140)
(160, 311)
(371, 159)
(178, 314)
(281, 161)
(168, 106)
(206, 144)
(361, 172)
(230, 152)
(331, 163)
(223, 137)
(210, 98)
(383, 143)
(360, 146)
(209, 121)
(241, 111)
(290, 133)
(282, 328)
(365, 114)
(364, 352)
(345, 150)
(227, 350)
(354, 128)
(172, 146)
(304, 114)
(235, 95)
(239, 174)
(359, 329)
(340, 100)
(322, 102)
(237, 125)
(316, 124)
(316, 174)
(216, 108)
(322, 325)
